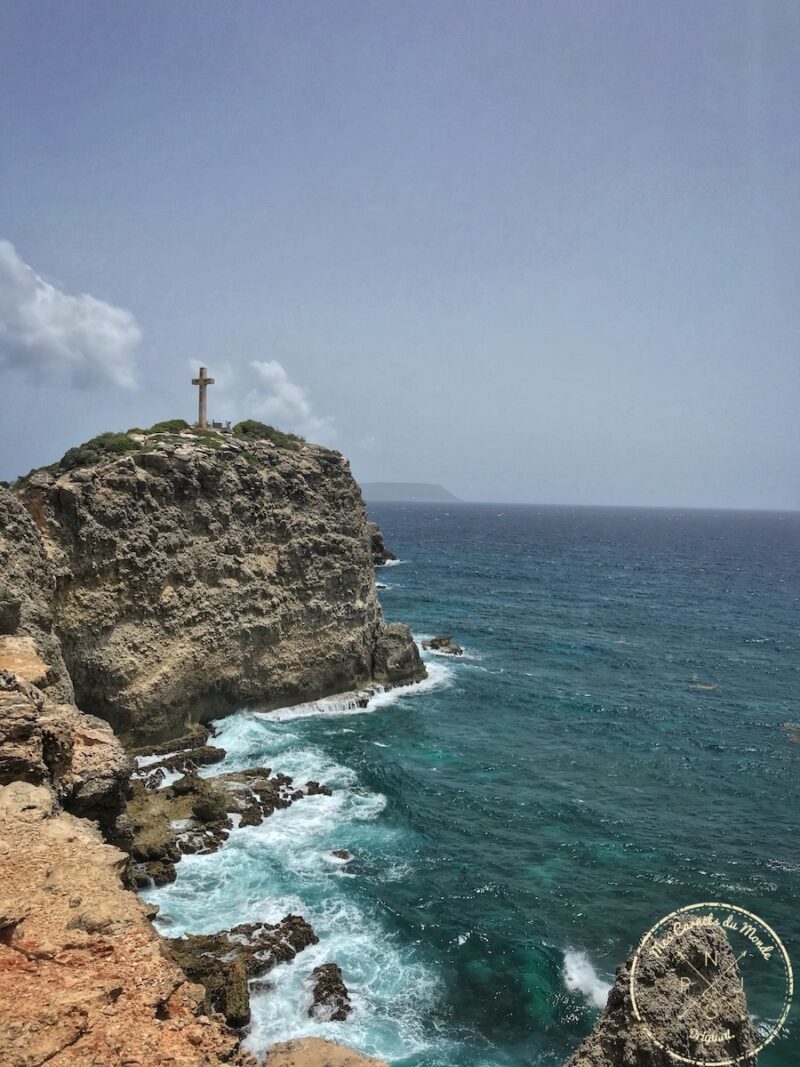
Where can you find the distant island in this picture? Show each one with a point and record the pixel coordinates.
(407, 493)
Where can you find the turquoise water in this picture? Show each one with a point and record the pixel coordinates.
(524, 816)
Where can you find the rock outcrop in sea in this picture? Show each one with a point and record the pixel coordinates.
(669, 1016)
(380, 553)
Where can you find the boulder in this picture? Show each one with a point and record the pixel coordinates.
(396, 660)
(620, 1039)
(443, 643)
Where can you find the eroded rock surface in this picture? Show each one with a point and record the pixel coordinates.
(83, 975)
(194, 814)
(55, 744)
(196, 576)
(29, 647)
(671, 1013)
(315, 1052)
(331, 1001)
(380, 553)
(444, 643)
(224, 962)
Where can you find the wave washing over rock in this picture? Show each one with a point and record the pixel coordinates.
(156, 590)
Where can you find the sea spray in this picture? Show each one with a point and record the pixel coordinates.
(581, 977)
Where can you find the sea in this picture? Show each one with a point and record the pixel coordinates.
(619, 739)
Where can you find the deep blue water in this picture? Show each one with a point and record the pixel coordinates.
(523, 818)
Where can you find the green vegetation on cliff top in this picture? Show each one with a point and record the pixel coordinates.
(173, 431)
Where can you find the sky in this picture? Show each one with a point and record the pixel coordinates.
(538, 252)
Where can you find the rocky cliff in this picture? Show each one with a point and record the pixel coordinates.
(44, 739)
(199, 573)
(28, 643)
(184, 577)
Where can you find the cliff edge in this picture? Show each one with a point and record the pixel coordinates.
(196, 573)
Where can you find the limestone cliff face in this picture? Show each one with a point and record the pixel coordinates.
(195, 576)
(28, 644)
(44, 739)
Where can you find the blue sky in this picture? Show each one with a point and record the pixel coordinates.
(541, 251)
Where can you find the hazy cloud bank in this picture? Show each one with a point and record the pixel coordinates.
(43, 328)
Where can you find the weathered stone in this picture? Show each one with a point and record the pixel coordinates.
(619, 1039)
(396, 659)
(77, 755)
(224, 962)
(83, 978)
(190, 585)
(380, 553)
(444, 643)
(315, 1052)
(27, 590)
(331, 1001)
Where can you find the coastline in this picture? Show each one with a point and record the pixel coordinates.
(324, 812)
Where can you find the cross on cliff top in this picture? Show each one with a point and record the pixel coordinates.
(203, 382)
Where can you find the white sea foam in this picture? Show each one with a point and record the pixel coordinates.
(148, 761)
(390, 990)
(284, 865)
(581, 977)
(393, 562)
(361, 703)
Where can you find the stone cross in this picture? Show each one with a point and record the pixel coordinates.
(203, 381)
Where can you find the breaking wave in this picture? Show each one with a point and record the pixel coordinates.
(581, 977)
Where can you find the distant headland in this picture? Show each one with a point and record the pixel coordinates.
(407, 493)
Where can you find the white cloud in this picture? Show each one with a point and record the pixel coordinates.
(276, 399)
(42, 328)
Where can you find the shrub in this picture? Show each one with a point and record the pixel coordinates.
(92, 451)
(169, 426)
(253, 430)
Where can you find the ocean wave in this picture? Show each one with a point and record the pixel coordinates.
(390, 990)
(285, 865)
(361, 703)
(581, 977)
(392, 563)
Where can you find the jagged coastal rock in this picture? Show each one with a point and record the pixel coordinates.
(193, 815)
(331, 1001)
(197, 574)
(444, 643)
(84, 977)
(225, 962)
(380, 553)
(619, 1039)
